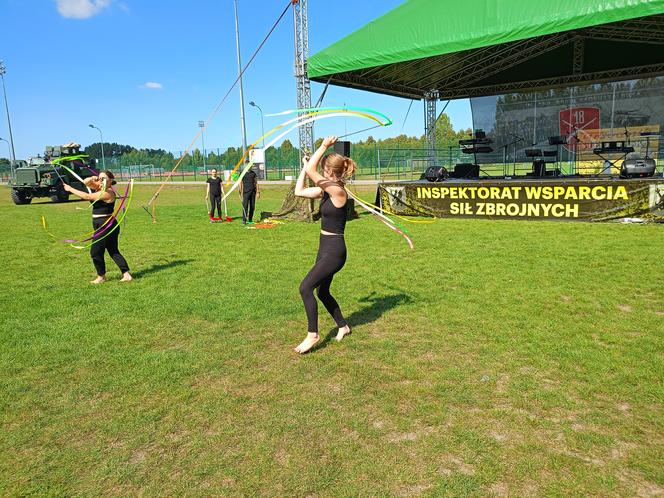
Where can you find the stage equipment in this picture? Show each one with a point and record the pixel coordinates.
(635, 166)
(478, 144)
(343, 148)
(435, 174)
(613, 147)
(558, 140)
(648, 135)
(465, 170)
(539, 167)
(477, 150)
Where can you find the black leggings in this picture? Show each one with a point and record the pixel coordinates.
(109, 244)
(248, 205)
(215, 201)
(331, 258)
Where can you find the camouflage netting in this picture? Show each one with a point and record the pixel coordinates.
(295, 208)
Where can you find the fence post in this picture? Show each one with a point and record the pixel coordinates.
(379, 166)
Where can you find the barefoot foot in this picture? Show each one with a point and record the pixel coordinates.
(308, 343)
(126, 277)
(343, 332)
(99, 280)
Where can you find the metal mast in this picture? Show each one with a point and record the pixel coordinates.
(239, 70)
(430, 118)
(303, 85)
(12, 159)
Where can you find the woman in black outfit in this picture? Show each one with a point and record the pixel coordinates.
(213, 193)
(102, 209)
(332, 249)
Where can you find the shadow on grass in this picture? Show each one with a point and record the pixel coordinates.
(160, 267)
(372, 311)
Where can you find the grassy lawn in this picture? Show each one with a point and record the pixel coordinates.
(497, 358)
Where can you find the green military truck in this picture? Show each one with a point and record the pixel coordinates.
(43, 176)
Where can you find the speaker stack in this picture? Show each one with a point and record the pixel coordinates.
(342, 148)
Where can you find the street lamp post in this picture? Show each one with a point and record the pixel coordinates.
(239, 70)
(12, 153)
(253, 104)
(201, 125)
(101, 136)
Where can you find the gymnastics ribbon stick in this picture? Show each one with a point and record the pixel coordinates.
(59, 162)
(116, 225)
(307, 119)
(75, 175)
(221, 184)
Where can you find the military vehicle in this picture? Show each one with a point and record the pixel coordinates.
(44, 176)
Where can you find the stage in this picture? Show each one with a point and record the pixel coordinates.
(562, 198)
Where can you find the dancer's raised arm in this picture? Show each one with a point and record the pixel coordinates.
(300, 189)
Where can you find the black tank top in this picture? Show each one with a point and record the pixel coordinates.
(333, 219)
(103, 207)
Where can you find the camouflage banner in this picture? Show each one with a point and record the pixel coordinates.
(563, 199)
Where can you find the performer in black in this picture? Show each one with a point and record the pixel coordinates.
(332, 249)
(213, 193)
(102, 209)
(248, 190)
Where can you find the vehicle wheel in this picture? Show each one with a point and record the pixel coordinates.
(19, 197)
(61, 195)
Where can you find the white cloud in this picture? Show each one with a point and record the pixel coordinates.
(81, 9)
(152, 85)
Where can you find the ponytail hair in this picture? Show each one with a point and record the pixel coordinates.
(110, 176)
(341, 168)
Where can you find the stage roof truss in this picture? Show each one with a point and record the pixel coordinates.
(634, 49)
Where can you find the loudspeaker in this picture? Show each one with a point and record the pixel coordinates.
(435, 173)
(466, 170)
(635, 166)
(342, 148)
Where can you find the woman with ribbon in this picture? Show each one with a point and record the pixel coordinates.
(330, 188)
(103, 204)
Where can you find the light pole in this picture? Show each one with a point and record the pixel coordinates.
(253, 104)
(201, 125)
(239, 70)
(101, 136)
(12, 154)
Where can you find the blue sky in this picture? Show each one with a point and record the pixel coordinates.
(146, 71)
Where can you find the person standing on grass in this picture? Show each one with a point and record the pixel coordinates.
(213, 193)
(102, 209)
(248, 190)
(330, 187)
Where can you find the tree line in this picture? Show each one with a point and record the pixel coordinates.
(363, 152)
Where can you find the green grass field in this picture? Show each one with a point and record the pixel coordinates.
(503, 358)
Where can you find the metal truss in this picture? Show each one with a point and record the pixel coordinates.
(430, 116)
(465, 74)
(302, 83)
(577, 56)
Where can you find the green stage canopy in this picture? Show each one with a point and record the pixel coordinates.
(472, 48)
